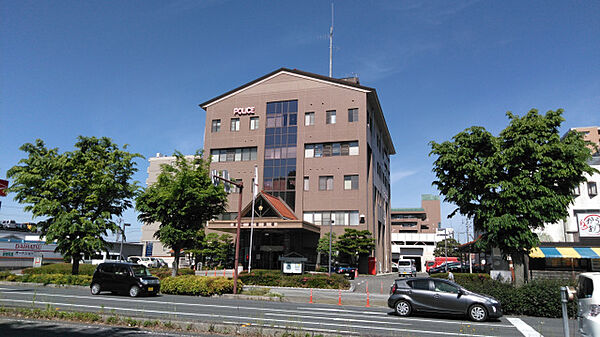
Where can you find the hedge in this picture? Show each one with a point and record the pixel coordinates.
(61, 268)
(536, 298)
(82, 280)
(162, 273)
(275, 278)
(197, 285)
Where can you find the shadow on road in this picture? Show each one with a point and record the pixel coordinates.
(49, 329)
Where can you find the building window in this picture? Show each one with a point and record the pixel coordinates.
(235, 124)
(352, 115)
(306, 183)
(233, 154)
(216, 125)
(351, 182)
(592, 188)
(576, 192)
(340, 218)
(253, 123)
(330, 117)
(326, 183)
(309, 118)
(330, 149)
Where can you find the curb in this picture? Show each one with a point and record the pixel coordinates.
(42, 284)
(351, 290)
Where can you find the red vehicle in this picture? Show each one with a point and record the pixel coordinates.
(438, 261)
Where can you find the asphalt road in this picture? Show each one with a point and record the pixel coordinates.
(344, 320)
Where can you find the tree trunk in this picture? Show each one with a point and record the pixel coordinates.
(318, 260)
(75, 267)
(175, 262)
(520, 268)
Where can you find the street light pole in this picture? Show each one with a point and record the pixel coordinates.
(446, 246)
(122, 237)
(330, 229)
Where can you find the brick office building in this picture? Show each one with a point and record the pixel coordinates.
(321, 146)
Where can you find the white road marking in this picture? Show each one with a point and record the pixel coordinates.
(523, 327)
(293, 323)
(409, 319)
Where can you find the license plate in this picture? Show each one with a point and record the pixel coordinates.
(150, 289)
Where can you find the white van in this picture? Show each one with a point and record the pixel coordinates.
(407, 268)
(145, 261)
(588, 297)
(100, 257)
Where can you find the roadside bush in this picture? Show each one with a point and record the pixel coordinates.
(61, 268)
(539, 298)
(82, 280)
(275, 278)
(197, 285)
(162, 273)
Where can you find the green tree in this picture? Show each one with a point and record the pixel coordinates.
(181, 201)
(353, 243)
(217, 249)
(323, 249)
(514, 183)
(450, 244)
(78, 192)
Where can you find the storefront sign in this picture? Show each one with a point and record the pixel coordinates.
(589, 224)
(28, 250)
(292, 268)
(243, 111)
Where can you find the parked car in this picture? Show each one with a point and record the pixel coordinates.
(345, 269)
(441, 296)
(438, 261)
(588, 298)
(144, 261)
(160, 263)
(123, 277)
(407, 268)
(452, 266)
(394, 267)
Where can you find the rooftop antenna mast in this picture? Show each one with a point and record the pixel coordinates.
(331, 43)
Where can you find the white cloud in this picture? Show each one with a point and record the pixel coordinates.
(399, 175)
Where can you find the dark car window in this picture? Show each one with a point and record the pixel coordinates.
(444, 287)
(585, 287)
(108, 268)
(140, 271)
(121, 270)
(419, 284)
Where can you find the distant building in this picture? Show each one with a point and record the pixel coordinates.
(415, 231)
(590, 134)
(573, 244)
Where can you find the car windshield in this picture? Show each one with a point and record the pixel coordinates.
(404, 263)
(140, 271)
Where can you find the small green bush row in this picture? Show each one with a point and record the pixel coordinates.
(275, 278)
(539, 298)
(82, 280)
(197, 285)
(162, 273)
(61, 268)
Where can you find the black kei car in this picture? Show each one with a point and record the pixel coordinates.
(441, 296)
(121, 277)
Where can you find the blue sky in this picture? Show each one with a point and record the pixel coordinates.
(136, 71)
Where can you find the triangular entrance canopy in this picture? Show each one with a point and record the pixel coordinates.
(268, 206)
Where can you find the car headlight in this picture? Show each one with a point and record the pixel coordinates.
(144, 281)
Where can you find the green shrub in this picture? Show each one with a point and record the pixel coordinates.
(197, 285)
(162, 273)
(539, 298)
(82, 280)
(275, 278)
(61, 268)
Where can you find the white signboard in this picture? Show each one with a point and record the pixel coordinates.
(589, 224)
(28, 250)
(292, 268)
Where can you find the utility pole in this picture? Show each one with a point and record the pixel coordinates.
(330, 229)
(331, 44)
(446, 247)
(122, 236)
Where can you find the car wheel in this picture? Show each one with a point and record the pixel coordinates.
(403, 308)
(134, 291)
(478, 313)
(95, 289)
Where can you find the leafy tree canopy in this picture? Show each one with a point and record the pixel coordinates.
(78, 192)
(181, 201)
(450, 244)
(354, 242)
(217, 249)
(512, 183)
